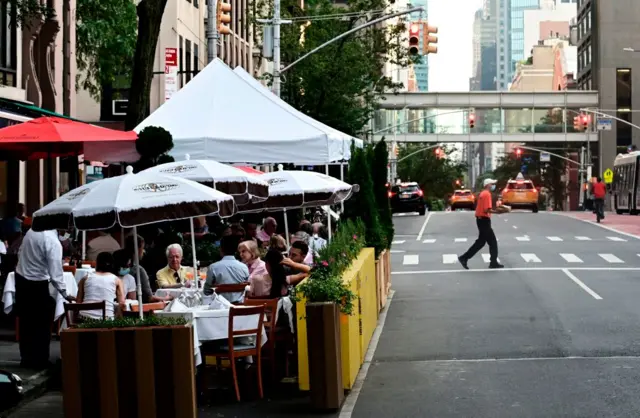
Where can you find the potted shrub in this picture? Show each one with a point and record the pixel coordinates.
(129, 367)
(327, 297)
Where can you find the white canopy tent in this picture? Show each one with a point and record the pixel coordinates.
(333, 133)
(220, 116)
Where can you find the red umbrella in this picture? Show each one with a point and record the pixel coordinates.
(249, 170)
(49, 137)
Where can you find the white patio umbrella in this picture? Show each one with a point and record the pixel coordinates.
(132, 200)
(300, 189)
(243, 187)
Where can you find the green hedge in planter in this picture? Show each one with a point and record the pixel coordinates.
(325, 281)
(149, 321)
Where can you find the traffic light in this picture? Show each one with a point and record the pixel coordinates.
(223, 17)
(438, 152)
(585, 122)
(576, 123)
(458, 182)
(518, 152)
(472, 120)
(428, 40)
(414, 41)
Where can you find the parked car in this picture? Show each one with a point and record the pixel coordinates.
(407, 197)
(462, 199)
(520, 193)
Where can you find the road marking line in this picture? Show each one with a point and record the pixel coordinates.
(429, 241)
(582, 285)
(424, 226)
(525, 238)
(617, 239)
(530, 258)
(515, 227)
(583, 238)
(554, 239)
(610, 258)
(398, 242)
(352, 398)
(410, 260)
(460, 240)
(449, 271)
(449, 258)
(571, 258)
(487, 258)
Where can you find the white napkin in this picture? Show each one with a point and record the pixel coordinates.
(176, 306)
(219, 302)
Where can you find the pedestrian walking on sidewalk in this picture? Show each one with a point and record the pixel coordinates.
(484, 209)
(599, 192)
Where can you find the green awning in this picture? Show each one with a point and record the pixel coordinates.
(28, 110)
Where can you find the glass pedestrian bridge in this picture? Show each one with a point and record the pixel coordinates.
(497, 117)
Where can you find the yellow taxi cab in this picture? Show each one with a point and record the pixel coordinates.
(462, 198)
(520, 193)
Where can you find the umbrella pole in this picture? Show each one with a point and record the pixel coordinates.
(193, 252)
(286, 227)
(136, 259)
(84, 246)
(326, 171)
(342, 179)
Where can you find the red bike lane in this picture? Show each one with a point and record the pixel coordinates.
(626, 224)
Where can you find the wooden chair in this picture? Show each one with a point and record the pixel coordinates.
(71, 310)
(231, 288)
(270, 313)
(234, 350)
(70, 269)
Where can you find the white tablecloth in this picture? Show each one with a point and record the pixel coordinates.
(9, 293)
(212, 325)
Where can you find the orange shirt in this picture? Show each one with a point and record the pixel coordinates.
(599, 190)
(483, 203)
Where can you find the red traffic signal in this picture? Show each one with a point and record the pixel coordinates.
(458, 182)
(472, 120)
(518, 152)
(585, 122)
(438, 152)
(414, 40)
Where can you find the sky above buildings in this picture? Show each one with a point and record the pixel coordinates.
(450, 68)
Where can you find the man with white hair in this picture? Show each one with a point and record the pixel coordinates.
(173, 275)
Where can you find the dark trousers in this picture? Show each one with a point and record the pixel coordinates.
(485, 236)
(35, 308)
(599, 208)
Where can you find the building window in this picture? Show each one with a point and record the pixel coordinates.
(8, 51)
(180, 61)
(196, 60)
(195, 4)
(187, 48)
(623, 88)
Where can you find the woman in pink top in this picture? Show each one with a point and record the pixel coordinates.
(259, 282)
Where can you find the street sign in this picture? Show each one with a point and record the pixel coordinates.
(604, 124)
(545, 157)
(608, 176)
(170, 72)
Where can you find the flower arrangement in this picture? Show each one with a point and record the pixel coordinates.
(325, 281)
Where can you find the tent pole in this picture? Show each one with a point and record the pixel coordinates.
(196, 277)
(326, 170)
(136, 259)
(342, 179)
(286, 227)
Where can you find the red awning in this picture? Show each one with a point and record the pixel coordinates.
(249, 170)
(49, 137)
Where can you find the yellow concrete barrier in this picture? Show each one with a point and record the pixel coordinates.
(356, 330)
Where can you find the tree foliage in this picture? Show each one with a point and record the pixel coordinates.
(379, 162)
(363, 204)
(340, 85)
(105, 43)
(436, 176)
(153, 144)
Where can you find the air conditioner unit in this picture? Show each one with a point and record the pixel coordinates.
(119, 107)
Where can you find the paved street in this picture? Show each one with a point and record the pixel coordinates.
(554, 334)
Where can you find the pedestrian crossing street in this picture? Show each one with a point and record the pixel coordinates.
(523, 238)
(529, 258)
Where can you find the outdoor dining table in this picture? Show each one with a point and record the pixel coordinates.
(9, 293)
(176, 292)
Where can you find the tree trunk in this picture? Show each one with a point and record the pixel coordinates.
(149, 19)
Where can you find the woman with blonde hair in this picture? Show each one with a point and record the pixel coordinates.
(250, 255)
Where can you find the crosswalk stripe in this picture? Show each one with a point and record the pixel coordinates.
(449, 258)
(583, 238)
(530, 258)
(398, 242)
(571, 258)
(610, 258)
(429, 241)
(617, 239)
(525, 238)
(411, 260)
(460, 240)
(554, 238)
(487, 258)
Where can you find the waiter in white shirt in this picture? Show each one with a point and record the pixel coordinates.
(39, 262)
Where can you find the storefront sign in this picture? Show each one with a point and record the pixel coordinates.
(170, 72)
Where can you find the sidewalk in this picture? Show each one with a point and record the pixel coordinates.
(625, 224)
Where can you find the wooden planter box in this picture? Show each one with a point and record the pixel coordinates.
(128, 373)
(383, 278)
(325, 363)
